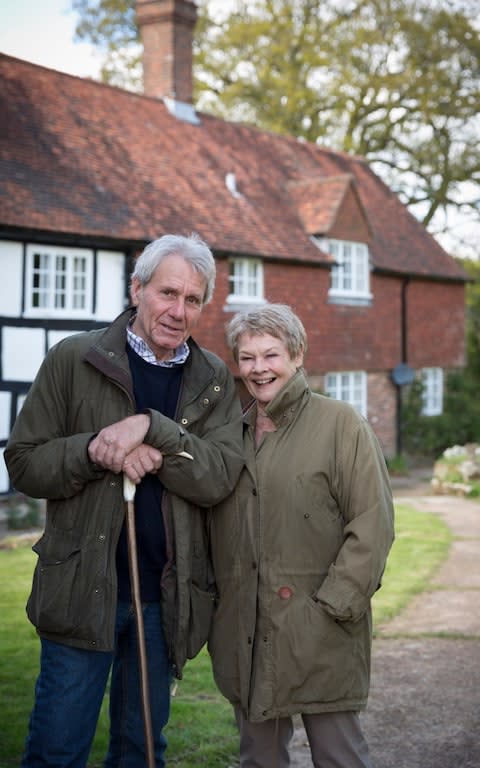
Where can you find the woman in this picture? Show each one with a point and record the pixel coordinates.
(298, 549)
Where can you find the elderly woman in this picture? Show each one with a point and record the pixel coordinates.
(299, 549)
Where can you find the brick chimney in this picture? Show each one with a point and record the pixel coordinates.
(166, 30)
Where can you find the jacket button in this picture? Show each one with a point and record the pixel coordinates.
(184, 421)
(216, 388)
(285, 593)
(206, 401)
(307, 514)
(101, 537)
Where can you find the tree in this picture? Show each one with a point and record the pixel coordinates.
(395, 81)
(472, 269)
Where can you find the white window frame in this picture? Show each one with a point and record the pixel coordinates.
(62, 289)
(350, 276)
(245, 281)
(432, 395)
(348, 386)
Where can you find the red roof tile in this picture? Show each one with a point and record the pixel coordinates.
(81, 158)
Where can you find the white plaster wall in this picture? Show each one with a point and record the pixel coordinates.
(22, 353)
(20, 402)
(110, 284)
(55, 336)
(4, 479)
(11, 283)
(5, 404)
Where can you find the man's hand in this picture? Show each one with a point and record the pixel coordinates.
(113, 443)
(141, 461)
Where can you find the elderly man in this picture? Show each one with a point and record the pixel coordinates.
(126, 399)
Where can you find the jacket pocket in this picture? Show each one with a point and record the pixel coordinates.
(202, 603)
(323, 658)
(52, 606)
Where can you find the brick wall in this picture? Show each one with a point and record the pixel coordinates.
(345, 338)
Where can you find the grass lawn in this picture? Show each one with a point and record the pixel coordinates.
(201, 730)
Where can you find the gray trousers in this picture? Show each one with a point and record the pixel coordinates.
(335, 738)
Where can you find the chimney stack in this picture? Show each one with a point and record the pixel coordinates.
(166, 30)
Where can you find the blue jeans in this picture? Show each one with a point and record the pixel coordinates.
(70, 689)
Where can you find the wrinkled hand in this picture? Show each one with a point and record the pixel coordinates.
(113, 443)
(141, 461)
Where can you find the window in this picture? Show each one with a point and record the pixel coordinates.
(245, 281)
(350, 277)
(432, 379)
(58, 281)
(349, 386)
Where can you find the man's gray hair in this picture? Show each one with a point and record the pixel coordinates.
(192, 248)
(277, 320)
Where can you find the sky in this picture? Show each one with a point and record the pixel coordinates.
(42, 31)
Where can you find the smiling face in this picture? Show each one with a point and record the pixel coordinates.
(168, 306)
(265, 365)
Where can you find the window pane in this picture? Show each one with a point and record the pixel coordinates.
(349, 386)
(245, 278)
(60, 280)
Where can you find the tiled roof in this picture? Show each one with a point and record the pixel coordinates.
(81, 158)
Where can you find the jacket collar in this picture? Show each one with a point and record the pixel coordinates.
(109, 355)
(285, 404)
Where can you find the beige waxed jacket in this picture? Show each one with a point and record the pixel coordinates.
(299, 549)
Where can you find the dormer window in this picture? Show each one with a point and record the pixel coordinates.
(350, 276)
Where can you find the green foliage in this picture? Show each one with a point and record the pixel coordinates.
(22, 512)
(397, 465)
(395, 81)
(472, 269)
(458, 424)
(110, 25)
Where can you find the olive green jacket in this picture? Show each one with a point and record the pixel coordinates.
(83, 385)
(299, 549)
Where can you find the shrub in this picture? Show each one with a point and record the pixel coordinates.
(457, 425)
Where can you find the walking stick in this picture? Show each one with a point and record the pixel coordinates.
(128, 495)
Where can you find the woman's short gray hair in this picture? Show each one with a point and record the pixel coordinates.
(192, 248)
(277, 320)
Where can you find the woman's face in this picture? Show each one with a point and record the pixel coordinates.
(265, 365)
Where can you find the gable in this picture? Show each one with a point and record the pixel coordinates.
(330, 207)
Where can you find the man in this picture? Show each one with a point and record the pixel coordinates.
(126, 399)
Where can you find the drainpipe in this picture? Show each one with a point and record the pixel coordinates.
(402, 374)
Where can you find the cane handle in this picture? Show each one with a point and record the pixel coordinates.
(128, 488)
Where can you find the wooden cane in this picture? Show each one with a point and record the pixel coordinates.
(129, 495)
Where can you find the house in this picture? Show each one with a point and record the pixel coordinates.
(90, 173)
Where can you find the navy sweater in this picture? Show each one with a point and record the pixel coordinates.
(154, 387)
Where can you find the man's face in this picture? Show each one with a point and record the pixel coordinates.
(168, 306)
